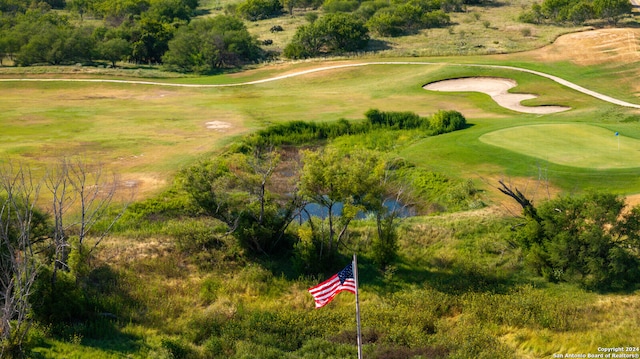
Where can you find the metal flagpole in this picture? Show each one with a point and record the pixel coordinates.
(355, 278)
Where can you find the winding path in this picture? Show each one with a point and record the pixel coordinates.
(327, 68)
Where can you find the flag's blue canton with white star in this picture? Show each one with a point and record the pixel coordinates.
(324, 292)
(346, 273)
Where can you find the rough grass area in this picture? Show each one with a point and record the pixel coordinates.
(458, 290)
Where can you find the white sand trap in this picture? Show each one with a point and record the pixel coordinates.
(218, 125)
(498, 89)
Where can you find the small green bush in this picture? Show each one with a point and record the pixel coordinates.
(254, 10)
(331, 6)
(447, 121)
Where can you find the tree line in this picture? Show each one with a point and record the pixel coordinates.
(170, 32)
(137, 31)
(577, 12)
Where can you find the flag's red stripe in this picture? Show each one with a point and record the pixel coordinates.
(324, 292)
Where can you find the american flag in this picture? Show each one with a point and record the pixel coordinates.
(324, 292)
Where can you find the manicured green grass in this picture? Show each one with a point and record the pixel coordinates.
(145, 129)
(574, 145)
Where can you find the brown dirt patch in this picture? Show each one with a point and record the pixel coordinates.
(633, 200)
(219, 126)
(594, 47)
(535, 190)
(141, 184)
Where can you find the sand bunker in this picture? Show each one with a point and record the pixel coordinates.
(498, 89)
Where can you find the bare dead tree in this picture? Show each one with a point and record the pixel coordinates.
(263, 166)
(18, 268)
(527, 205)
(58, 184)
(82, 194)
(94, 191)
(76, 187)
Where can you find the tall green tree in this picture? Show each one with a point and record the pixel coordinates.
(208, 44)
(150, 40)
(116, 11)
(254, 10)
(114, 50)
(169, 11)
(333, 179)
(332, 33)
(81, 7)
(234, 190)
(612, 10)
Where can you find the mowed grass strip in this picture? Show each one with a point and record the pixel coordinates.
(575, 145)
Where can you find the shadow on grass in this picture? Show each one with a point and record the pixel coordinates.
(378, 45)
(114, 341)
(455, 280)
(90, 312)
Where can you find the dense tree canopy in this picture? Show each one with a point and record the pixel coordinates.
(333, 33)
(588, 239)
(612, 10)
(259, 9)
(208, 44)
(33, 34)
(406, 18)
(577, 11)
(332, 179)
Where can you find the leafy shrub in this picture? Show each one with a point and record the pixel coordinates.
(58, 305)
(332, 6)
(157, 209)
(177, 349)
(194, 235)
(333, 33)
(406, 18)
(368, 8)
(301, 132)
(205, 45)
(396, 120)
(254, 10)
(585, 239)
(447, 121)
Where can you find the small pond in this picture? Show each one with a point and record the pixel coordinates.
(317, 210)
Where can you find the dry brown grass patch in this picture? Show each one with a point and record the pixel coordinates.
(594, 47)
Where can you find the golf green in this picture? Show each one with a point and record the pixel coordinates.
(575, 145)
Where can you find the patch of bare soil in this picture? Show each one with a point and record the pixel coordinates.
(140, 185)
(594, 47)
(220, 126)
(633, 200)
